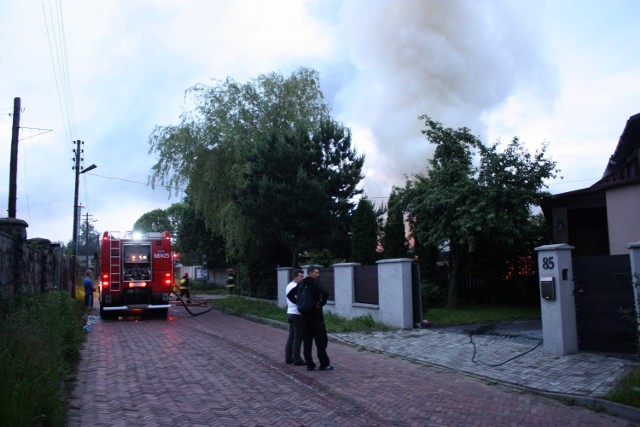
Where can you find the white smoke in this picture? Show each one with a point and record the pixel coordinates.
(455, 61)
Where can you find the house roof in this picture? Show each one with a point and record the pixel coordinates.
(623, 164)
(623, 167)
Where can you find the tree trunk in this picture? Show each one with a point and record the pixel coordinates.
(456, 265)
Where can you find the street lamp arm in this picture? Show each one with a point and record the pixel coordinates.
(88, 168)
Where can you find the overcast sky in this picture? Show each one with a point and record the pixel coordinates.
(564, 73)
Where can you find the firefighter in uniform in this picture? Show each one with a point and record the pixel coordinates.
(231, 280)
(185, 283)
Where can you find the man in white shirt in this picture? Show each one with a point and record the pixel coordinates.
(294, 341)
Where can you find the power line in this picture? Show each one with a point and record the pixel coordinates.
(572, 182)
(54, 25)
(176, 189)
(34, 129)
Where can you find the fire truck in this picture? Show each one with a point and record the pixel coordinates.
(136, 273)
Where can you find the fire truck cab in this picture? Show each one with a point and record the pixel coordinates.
(136, 273)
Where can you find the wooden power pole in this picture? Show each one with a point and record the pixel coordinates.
(13, 162)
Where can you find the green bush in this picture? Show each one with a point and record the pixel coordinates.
(259, 308)
(366, 323)
(433, 294)
(270, 310)
(40, 339)
(627, 392)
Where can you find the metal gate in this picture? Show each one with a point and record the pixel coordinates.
(605, 311)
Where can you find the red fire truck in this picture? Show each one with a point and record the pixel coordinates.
(136, 273)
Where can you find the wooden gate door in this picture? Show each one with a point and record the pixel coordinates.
(604, 304)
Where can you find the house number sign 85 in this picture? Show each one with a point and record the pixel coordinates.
(548, 263)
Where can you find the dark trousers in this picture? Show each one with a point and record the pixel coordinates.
(315, 331)
(294, 340)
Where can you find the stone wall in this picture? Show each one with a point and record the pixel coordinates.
(30, 266)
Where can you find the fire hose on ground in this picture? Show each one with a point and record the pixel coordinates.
(192, 302)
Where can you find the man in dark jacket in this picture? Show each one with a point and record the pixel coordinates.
(313, 324)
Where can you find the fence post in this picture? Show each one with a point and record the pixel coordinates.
(343, 284)
(557, 302)
(634, 258)
(395, 292)
(284, 277)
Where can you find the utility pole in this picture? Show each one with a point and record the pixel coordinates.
(74, 244)
(13, 162)
(78, 158)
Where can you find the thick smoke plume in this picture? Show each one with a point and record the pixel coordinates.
(455, 61)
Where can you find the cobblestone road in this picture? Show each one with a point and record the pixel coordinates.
(222, 370)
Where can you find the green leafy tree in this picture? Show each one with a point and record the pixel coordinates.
(364, 241)
(395, 239)
(196, 243)
(282, 196)
(339, 168)
(208, 150)
(459, 206)
(159, 220)
(298, 190)
(217, 149)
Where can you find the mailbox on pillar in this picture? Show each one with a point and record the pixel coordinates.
(548, 288)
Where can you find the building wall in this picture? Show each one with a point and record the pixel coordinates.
(623, 214)
(560, 226)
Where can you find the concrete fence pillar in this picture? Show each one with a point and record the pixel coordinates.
(557, 302)
(284, 277)
(343, 288)
(395, 292)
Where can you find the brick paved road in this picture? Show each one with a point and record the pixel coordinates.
(221, 370)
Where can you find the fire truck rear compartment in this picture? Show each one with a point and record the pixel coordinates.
(137, 296)
(136, 273)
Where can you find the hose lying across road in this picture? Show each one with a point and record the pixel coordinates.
(488, 330)
(194, 303)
